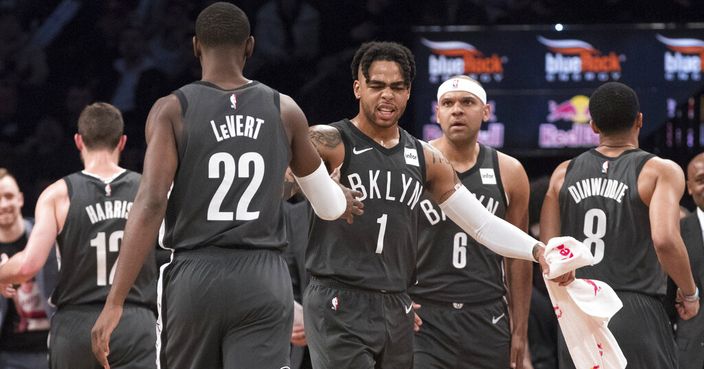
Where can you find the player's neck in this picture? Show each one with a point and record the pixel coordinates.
(385, 136)
(12, 232)
(224, 73)
(615, 145)
(462, 155)
(102, 164)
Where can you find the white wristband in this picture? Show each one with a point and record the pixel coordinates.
(493, 232)
(325, 196)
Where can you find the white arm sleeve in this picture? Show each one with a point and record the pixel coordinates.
(491, 231)
(325, 196)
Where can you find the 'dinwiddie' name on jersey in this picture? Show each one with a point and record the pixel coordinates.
(108, 210)
(371, 189)
(436, 215)
(237, 126)
(609, 188)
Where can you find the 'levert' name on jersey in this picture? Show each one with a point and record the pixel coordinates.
(410, 194)
(237, 126)
(108, 210)
(436, 215)
(609, 188)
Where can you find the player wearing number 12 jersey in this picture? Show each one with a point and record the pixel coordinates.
(622, 202)
(221, 146)
(85, 213)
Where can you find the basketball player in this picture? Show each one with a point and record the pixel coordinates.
(224, 142)
(460, 283)
(623, 202)
(356, 309)
(85, 214)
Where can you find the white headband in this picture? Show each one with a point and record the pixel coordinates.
(462, 84)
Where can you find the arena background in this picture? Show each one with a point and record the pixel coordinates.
(538, 59)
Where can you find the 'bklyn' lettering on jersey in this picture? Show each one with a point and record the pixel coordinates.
(436, 215)
(609, 188)
(411, 188)
(237, 126)
(108, 210)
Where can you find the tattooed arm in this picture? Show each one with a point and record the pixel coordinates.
(328, 141)
(440, 178)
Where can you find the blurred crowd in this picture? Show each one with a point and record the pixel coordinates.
(56, 56)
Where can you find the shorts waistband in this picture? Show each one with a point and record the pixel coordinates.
(452, 305)
(329, 282)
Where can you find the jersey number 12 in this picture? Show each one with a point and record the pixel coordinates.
(103, 245)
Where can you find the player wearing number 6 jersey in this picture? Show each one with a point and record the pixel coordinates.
(356, 308)
(461, 284)
(85, 214)
(224, 142)
(623, 203)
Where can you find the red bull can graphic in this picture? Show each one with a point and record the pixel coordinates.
(576, 60)
(449, 58)
(580, 134)
(683, 61)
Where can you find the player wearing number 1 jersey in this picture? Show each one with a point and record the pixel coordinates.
(357, 310)
(622, 202)
(220, 146)
(85, 214)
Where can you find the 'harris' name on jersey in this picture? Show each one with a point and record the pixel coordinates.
(237, 126)
(604, 187)
(108, 210)
(434, 215)
(409, 193)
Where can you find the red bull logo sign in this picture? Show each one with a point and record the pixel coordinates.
(580, 134)
(683, 61)
(577, 60)
(449, 58)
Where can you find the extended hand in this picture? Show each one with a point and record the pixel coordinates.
(101, 332)
(354, 206)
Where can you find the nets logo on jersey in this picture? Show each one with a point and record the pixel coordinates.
(577, 60)
(450, 58)
(684, 60)
(233, 101)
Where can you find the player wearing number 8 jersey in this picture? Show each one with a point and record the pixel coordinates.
(221, 146)
(85, 213)
(623, 203)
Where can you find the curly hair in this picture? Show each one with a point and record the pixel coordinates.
(389, 51)
(222, 24)
(614, 107)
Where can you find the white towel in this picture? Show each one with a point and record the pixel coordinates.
(583, 308)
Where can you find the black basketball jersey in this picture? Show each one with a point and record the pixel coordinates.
(227, 191)
(377, 251)
(90, 241)
(600, 205)
(452, 266)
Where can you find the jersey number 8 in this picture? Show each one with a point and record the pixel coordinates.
(595, 233)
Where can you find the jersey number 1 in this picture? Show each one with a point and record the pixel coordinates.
(228, 177)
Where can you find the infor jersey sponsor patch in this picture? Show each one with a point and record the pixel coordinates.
(411, 156)
(488, 176)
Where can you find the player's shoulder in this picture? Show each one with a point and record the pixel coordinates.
(507, 161)
(56, 191)
(661, 167)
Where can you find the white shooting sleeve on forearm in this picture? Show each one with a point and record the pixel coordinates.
(491, 231)
(325, 196)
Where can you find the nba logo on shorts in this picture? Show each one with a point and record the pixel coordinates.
(335, 303)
